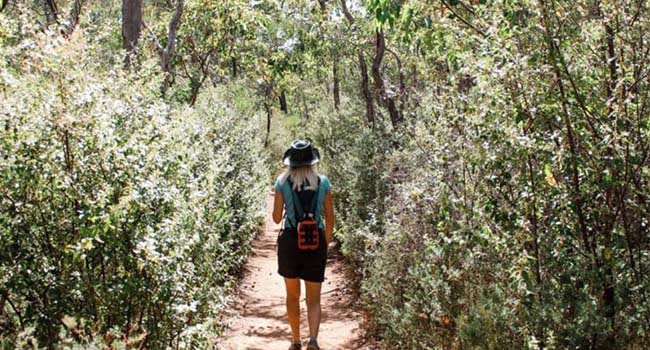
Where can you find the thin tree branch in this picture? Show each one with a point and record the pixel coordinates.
(51, 4)
(13, 307)
(323, 7)
(154, 39)
(467, 6)
(576, 94)
(363, 70)
(573, 149)
(347, 13)
(380, 88)
(402, 84)
(170, 50)
(73, 19)
(467, 23)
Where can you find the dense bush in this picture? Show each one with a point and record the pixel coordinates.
(490, 163)
(122, 217)
(511, 210)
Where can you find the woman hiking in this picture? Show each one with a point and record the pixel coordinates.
(302, 244)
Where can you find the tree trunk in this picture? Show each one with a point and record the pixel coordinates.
(609, 279)
(75, 12)
(195, 87)
(335, 88)
(363, 70)
(131, 26)
(380, 48)
(380, 90)
(283, 102)
(170, 50)
(233, 65)
(346, 12)
(401, 95)
(323, 8)
(51, 11)
(269, 114)
(365, 88)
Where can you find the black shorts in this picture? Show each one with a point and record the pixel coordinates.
(306, 265)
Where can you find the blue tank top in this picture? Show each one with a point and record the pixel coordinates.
(290, 217)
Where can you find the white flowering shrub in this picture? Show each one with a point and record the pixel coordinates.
(509, 210)
(122, 217)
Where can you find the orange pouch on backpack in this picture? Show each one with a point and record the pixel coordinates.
(308, 235)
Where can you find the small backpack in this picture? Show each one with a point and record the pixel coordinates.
(307, 227)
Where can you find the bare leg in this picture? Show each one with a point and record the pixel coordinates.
(293, 306)
(313, 307)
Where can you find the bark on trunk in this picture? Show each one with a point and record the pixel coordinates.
(346, 12)
(170, 49)
(363, 70)
(51, 11)
(131, 23)
(402, 96)
(365, 88)
(335, 88)
(196, 88)
(323, 7)
(609, 297)
(131, 26)
(269, 114)
(73, 20)
(283, 102)
(380, 48)
(380, 90)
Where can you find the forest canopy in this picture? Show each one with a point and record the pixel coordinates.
(489, 159)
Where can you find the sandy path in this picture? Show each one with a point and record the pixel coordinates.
(258, 320)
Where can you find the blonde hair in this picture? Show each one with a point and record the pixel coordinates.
(301, 175)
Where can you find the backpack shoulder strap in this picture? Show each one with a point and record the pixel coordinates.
(314, 198)
(297, 206)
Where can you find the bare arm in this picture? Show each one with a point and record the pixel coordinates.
(329, 217)
(278, 206)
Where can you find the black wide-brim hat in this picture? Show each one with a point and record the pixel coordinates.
(301, 153)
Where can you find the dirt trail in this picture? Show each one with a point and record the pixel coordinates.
(258, 320)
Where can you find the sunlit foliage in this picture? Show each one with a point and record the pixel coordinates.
(489, 159)
(123, 217)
